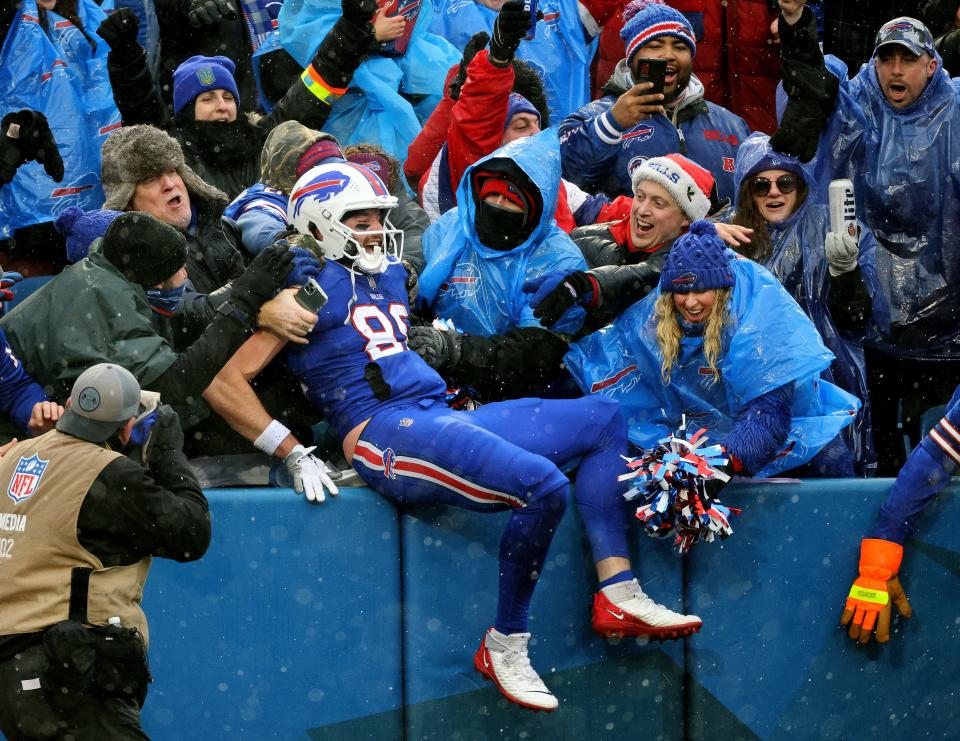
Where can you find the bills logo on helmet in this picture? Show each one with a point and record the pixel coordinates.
(321, 188)
(687, 279)
(389, 463)
(26, 478)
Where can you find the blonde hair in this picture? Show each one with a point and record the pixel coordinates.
(669, 332)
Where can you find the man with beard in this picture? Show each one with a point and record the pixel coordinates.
(607, 139)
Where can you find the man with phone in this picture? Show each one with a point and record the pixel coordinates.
(652, 106)
(79, 523)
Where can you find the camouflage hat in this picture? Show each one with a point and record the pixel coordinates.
(908, 32)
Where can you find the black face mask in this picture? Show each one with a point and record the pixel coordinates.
(500, 229)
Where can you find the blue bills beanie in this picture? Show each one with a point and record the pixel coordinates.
(80, 228)
(199, 74)
(645, 20)
(697, 262)
(518, 104)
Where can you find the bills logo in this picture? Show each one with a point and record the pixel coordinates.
(389, 459)
(640, 134)
(464, 282)
(687, 279)
(321, 188)
(26, 478)
(612, 380)
(634, 164)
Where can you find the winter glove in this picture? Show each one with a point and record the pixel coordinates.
(119, 30)
(511, 26)
(841, 251)
(556, 292)
(868, 602)
(438, 349)
(209, 12)
(799, 130)
(27, 136)
(165, 437)
(262, 278)
(310, 475)
(359, 12)
(8, 280)
(342, 50)
(477, 42)
(413, 282)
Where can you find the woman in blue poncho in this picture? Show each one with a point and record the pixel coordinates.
(723, 343)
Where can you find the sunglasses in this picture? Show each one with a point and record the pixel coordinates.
(785, 184)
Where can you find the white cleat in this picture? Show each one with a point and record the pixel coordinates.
(624, 610)
(504, 660)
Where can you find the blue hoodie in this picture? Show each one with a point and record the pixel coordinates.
(481, 289)
(905, 166)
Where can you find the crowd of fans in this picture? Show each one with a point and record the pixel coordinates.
(665, 242)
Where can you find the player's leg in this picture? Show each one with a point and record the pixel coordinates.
(429, 456)
(593, 430)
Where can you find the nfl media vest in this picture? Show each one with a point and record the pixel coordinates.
(44, 483)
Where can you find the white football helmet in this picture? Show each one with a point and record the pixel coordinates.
(326, 193)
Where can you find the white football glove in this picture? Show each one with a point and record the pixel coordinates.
(841, 251)
(311, 476)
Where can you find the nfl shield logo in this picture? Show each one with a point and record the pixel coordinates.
(205, 76)
(26, 478)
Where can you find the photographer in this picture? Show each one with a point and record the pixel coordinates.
(77, 529)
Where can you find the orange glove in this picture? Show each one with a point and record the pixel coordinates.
(868, 603)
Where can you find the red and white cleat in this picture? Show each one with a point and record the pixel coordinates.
(624, 610)
(504, 660)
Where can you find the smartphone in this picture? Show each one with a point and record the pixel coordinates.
(651, 70)
(531, 7)
(311, 296)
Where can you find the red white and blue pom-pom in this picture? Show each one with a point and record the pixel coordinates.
(669, 483)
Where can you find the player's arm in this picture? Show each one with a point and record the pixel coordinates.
(233, 398)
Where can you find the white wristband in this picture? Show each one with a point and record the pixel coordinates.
(270, 439)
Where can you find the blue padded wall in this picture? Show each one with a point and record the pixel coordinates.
(449, 590)
(291, 622)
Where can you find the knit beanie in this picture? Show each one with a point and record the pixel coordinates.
(506, 188)
(317, 153)
(518, 104)
(645, 20)
(697, 262)
(133, 154)
(283, 149)
(775, 161)
(80, 228)
(688, 183)
(144, 249)
(199, 74)
(375, 163)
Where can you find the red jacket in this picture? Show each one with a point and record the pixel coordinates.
(735, 61)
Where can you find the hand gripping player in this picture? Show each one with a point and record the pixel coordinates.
(927, 470)
(387, 406)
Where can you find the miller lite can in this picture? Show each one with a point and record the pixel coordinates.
(530, 6)
(843, 209)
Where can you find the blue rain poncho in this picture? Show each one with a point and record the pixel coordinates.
(481, 289)
(905, 166)
(374, 109)
(61, 76)
(768, 343)
(559, 52)
(799, 262)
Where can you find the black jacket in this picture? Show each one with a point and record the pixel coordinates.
(131, 512)
(213, 254)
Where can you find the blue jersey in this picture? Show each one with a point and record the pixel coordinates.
(357, 362)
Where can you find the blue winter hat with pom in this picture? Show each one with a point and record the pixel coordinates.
(81, 228)
(697, 262)
(646, 20)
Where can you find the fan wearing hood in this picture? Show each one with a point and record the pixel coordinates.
(479, 255)
(895, 132)
(222, 144)
(791, 237)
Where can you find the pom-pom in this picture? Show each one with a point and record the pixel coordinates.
(669, 483)
(703, 228)
(67, 218)
(636, 6)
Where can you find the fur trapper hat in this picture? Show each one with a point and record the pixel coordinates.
(133, 154)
